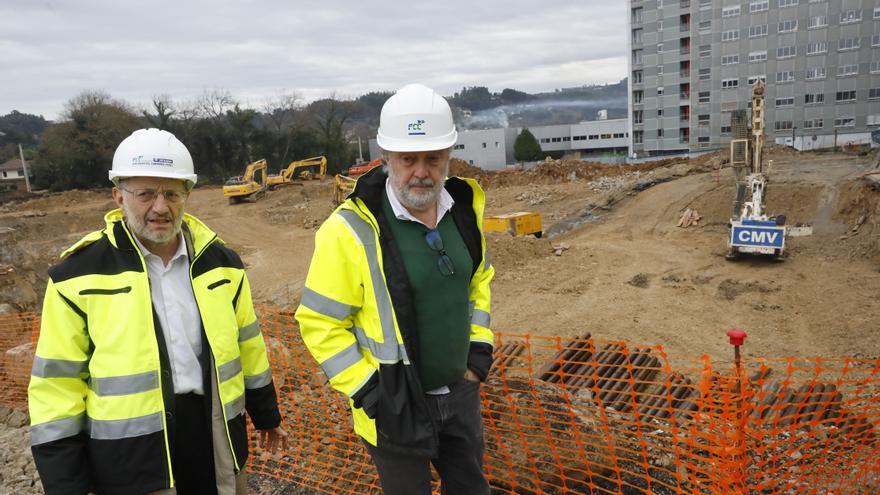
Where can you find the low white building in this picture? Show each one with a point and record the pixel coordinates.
(492, 149)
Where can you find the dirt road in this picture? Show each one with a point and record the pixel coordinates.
(628, 273)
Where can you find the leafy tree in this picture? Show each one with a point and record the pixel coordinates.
(78, 151)
(474, 98)
(512, 96)
(329, 117)
(526, 148)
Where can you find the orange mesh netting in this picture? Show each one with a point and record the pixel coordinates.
(589, 416)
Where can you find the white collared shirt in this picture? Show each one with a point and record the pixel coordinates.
(443, 205)
(175, 305)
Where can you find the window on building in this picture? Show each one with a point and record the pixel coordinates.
(874, 93)
(848, 44)
(818, 21)
(843, 96)
(875, 67)
(730, 35)
(637, 77)
(703, 119)
(637, 36)
(705, 50)
(873, 119)
(637, 137)
(785, 101)
(783, 125)
(758, 30)
(814, 98)
(545, 140)
(659, 70)
(660, 90)
(847, 70)
(817, 47)
(785, 76)
(787, 26)
(637, 96)
(759, 6)
(484, 145)
(876, 12)
(815, 73)
(458, 147)
(787, 3)
(659, 112)
(637, 57)
(845, 122)
(705, 74)
(813, 123)
(704, 96)
(758, 56)
(729, 83)
(753, 79)
(730, 11)
(704, 27)
(849, 16)
(725, 129)
(729, 59)
(702, 139)
(594, 137)
(605, 136)
(728, 106)
(786, 52)
(660, 25)
(875, 40)
(659, 47)
(659, 133)
(637, 15)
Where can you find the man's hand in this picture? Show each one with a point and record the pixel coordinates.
(270, 440)
(471, 376)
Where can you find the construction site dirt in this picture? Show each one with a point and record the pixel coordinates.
(821, 301)
(613, 262)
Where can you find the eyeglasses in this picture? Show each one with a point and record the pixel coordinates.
(147, 196)
(444, 262)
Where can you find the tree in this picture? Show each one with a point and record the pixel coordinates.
(526, 148)
(78, 151)
(329, 117)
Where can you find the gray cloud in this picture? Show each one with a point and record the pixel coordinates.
(52, 50)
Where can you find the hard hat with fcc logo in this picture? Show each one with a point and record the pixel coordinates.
(152, 153)
(416, 119)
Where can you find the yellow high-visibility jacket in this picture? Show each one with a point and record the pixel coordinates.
(101, 394)
(357, 317)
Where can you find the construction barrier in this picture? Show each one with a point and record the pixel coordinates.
(588, 416)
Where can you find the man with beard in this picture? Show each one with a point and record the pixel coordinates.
(150, 352)
(396, 304)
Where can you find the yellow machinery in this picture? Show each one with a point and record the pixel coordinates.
(310, 168)
(342, 188)
(520, 223)
(249, 186)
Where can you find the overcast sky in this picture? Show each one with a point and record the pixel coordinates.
(50, 51)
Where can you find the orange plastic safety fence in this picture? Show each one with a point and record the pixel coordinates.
(18, 337)
(576, 416)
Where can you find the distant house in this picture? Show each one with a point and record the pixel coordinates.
(12, 176)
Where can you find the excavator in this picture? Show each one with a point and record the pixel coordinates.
(247, 187)
(751, 230)
(299, 169)
(344, 184)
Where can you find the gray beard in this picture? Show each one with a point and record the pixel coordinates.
(413, 200)
(139, 228)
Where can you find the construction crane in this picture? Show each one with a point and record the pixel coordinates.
(249, 186)
(299, 169)
(751, 230)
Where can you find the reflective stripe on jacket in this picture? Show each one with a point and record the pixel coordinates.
(357, 317)
(101, 395)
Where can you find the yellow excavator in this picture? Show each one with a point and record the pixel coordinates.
(309, 168)
(247, 187)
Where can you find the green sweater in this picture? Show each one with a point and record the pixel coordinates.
(441, 301)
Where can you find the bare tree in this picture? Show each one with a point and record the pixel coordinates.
(285, 117)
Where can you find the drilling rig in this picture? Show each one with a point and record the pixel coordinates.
(751, 230)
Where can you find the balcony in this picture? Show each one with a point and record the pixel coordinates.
(684, 118)
(684, 95)
(684, 74)
(685, 50)
(684, 28)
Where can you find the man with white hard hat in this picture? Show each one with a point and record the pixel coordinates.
(150, 352)
(396, 304)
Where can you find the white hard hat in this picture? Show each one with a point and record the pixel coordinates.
(152, 153)
(416, 119)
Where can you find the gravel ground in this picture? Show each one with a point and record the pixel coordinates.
(18, 474)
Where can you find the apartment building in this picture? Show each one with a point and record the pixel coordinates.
(692, 62)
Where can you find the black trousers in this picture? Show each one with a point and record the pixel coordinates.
(456, 416)
(192, 453)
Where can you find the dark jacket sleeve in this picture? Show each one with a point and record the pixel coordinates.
(480, 359)
(63, 466)
(262, 406)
